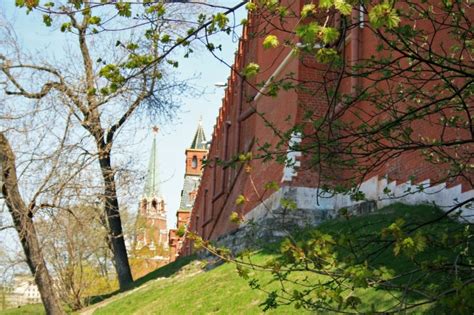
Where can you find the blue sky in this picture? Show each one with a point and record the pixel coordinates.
(174, 137)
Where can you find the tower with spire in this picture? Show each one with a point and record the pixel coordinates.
(195, 155)
(151, 223)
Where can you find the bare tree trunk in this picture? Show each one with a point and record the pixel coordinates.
(23, 221)
(119, 250)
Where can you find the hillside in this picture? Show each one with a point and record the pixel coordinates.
(222, 291)
(185, 287)
(218, 291)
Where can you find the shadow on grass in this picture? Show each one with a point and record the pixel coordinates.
(427, 269)
(163, 272)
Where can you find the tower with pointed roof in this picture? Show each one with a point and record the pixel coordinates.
(152, 231)
(195, 155)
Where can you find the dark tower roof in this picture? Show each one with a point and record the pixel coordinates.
(199, 141)
(190, 186)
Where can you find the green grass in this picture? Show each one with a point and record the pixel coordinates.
(165, 271)
(30, 309)
(218, 291)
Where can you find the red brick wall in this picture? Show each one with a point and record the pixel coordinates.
(241, 128)
(407, 165)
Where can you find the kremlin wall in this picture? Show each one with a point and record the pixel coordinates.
(251, 118)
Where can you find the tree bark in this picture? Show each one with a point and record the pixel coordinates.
(23, 221)
(114, 222)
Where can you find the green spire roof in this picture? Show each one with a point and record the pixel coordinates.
(199, 141)
(152, 184)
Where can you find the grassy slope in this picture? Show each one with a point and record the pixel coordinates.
(222, 291)
(31, 309)
(178, 289)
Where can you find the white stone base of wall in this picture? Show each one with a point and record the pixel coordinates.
(377, 190)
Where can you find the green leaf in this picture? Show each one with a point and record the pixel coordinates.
(240, 200)
(243, 272)
(112, 73)
(329, 34)
(235, 217)
(358, 195)
(137, 61)
(124, 9)
(289, 204)
(243, 157)
(326, 4)
(282, 11)
(47, 20)
(307, 33)
(307, 10)
(66, 27)
(384, 273)
(181, 231)
(94, 20)
(250, 6)
(271, 41)
(251, 70)
(272, 186)
(104, 91)
(384, 15)
(132, 46)
(165, 38)
(210, 46)
(159, 9)
(221, 20)
(174, 63)
(326, 55)
(343, 7)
